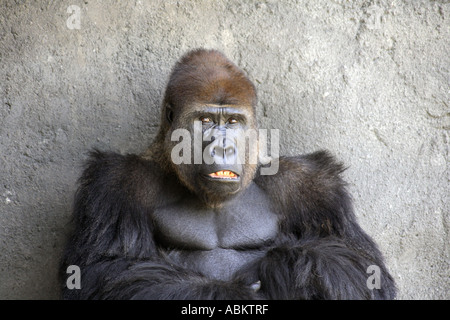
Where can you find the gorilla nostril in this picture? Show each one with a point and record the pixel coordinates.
(229, 151)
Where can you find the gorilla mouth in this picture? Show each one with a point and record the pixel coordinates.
(224, 174)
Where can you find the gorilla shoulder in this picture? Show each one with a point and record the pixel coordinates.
(129, 177)
(310, 193)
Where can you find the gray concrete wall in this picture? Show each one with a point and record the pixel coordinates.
(368, 80)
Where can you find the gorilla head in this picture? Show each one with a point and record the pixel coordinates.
(208, 92)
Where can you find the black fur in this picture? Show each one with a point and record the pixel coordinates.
(320, 253)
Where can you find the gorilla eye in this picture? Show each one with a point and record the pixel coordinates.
(205, 120)
(232, 121)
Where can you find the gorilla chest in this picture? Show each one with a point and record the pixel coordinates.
(245, 222)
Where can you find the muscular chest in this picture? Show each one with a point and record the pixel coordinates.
(244, 222)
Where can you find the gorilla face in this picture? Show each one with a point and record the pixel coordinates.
(208, 89)
(220, 165)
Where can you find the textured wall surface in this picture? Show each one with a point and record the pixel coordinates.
(368, 80)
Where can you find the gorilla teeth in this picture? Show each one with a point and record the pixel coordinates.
(223, 174)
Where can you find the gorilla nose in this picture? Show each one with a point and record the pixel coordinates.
(221, 150)
(224, 152)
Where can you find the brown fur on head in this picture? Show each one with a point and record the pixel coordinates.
(201, 77)
(207, 76)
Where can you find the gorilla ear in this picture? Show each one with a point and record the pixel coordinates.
(169, 113)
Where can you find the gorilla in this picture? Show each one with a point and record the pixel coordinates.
(150, 226)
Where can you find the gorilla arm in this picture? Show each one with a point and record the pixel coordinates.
(322, 252)
(113, 242)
